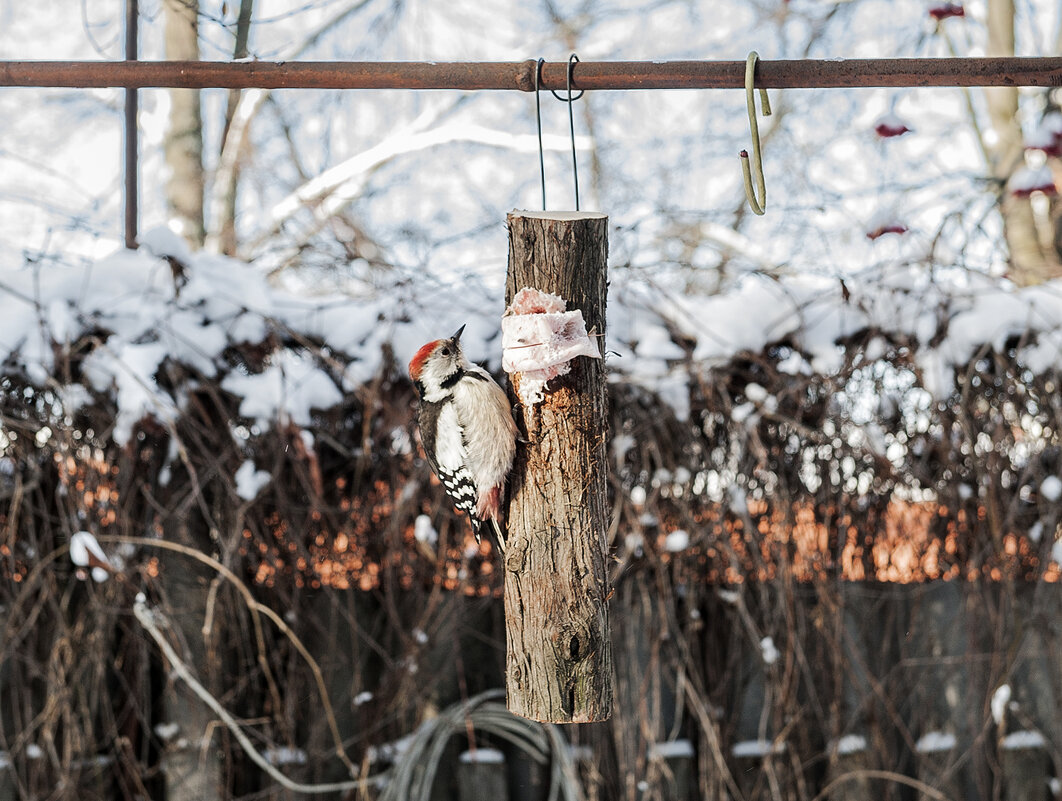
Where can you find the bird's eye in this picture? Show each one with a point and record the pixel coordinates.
(445, 351)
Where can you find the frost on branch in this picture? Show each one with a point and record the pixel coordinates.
(539, 341)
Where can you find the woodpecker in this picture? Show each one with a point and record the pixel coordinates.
(467, 429)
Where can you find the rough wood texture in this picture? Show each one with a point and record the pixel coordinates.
(559, 651)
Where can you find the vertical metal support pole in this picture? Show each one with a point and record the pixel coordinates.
(131, 135)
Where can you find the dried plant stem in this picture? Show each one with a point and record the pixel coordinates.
(150, 620)
(886, 775)
(253, 606)
(256, 608)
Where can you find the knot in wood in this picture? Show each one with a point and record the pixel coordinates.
(516, 555)
(573, 648)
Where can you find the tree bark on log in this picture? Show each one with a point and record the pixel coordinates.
(559, 651)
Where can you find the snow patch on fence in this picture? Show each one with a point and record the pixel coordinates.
(1018, 740)
(673, 749)
(934, 742)
(849, 744)
(757, 748)
(482, 756)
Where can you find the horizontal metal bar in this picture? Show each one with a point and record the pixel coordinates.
(520, 75)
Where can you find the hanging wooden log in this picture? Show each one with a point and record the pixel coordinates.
(559, 652)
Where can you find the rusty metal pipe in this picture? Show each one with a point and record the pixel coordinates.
(519, 75)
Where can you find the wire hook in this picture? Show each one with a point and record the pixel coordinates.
(538, 118)
(758, 204)
(573, 59)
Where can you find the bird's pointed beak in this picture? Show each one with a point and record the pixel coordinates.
(457, 336)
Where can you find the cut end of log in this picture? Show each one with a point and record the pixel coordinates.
(563, 216)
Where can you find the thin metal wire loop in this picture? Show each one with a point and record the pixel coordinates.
(538, 118)
(573, 59)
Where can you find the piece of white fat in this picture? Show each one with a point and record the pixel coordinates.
(536, 301)
(540, 339)
(544, 342)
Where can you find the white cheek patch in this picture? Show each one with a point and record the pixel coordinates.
(435, 373)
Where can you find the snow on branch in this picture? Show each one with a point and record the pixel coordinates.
(944, 316)
(139, 330)
(116, 331)
(326, 194)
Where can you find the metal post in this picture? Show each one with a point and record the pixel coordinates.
(131, 135)
(520, 75)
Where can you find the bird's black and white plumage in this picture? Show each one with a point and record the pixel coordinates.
(466, 428)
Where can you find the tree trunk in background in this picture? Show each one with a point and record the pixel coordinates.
(226, 233)
(1032, 259)
(193, 759)
(1054, 103)
(184, 139)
